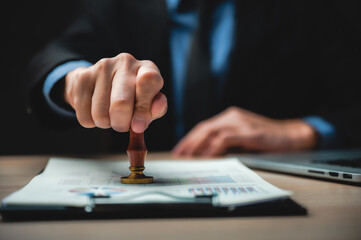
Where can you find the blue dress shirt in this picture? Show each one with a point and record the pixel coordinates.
(221, 44)
(58, 73)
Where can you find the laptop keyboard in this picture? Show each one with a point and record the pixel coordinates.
(349, 162)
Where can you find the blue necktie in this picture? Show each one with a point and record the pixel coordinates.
(200, 85)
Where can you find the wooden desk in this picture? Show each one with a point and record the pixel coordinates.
(334, 213)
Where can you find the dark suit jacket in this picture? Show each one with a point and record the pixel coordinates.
(291, 59)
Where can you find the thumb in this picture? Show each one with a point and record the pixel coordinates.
(148, 84)
(158, 109)
(141, 117)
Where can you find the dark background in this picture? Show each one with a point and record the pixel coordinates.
(25, 27)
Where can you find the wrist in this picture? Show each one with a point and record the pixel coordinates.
(301, 134)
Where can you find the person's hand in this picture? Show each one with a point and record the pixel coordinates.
(119, 93)
(238, 128)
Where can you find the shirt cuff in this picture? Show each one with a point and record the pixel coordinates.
(56, 75)
(326, 130)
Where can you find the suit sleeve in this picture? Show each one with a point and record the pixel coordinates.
(85, 37)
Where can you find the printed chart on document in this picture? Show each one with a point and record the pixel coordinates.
(228, 181)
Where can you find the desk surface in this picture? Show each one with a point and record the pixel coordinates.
(334, 213)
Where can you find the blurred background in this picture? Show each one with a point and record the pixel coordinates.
(26, 26)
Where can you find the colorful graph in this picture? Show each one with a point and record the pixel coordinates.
(207, 191)
(97, 191)
(196, 180)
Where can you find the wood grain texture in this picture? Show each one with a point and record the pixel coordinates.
(334, 212)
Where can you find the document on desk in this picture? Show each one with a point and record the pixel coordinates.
(80, 183)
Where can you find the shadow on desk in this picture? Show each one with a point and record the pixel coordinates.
(283, 207)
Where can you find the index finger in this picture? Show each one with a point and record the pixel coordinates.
(122, 96)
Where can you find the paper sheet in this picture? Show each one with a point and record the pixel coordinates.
(81, 182)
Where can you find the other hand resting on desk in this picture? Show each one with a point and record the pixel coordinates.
(236, 127)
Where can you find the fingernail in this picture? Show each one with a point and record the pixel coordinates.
(139, 124)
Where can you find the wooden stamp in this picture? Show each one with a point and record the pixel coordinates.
(136, 153)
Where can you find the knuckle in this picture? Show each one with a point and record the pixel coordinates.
(84, 73)
(203, 126)
(142, 107)
(83, 80)
(125, 63)
(151, 79)
(100, 112)
(119, 110)
(235, 111)
(125, 57)
(104, 64)
(121, 105)
(101, 118)
(200, 125)
(232, 109)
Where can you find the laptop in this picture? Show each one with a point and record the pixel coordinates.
(339, 165)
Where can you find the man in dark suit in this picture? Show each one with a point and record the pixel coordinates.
(258, 75)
